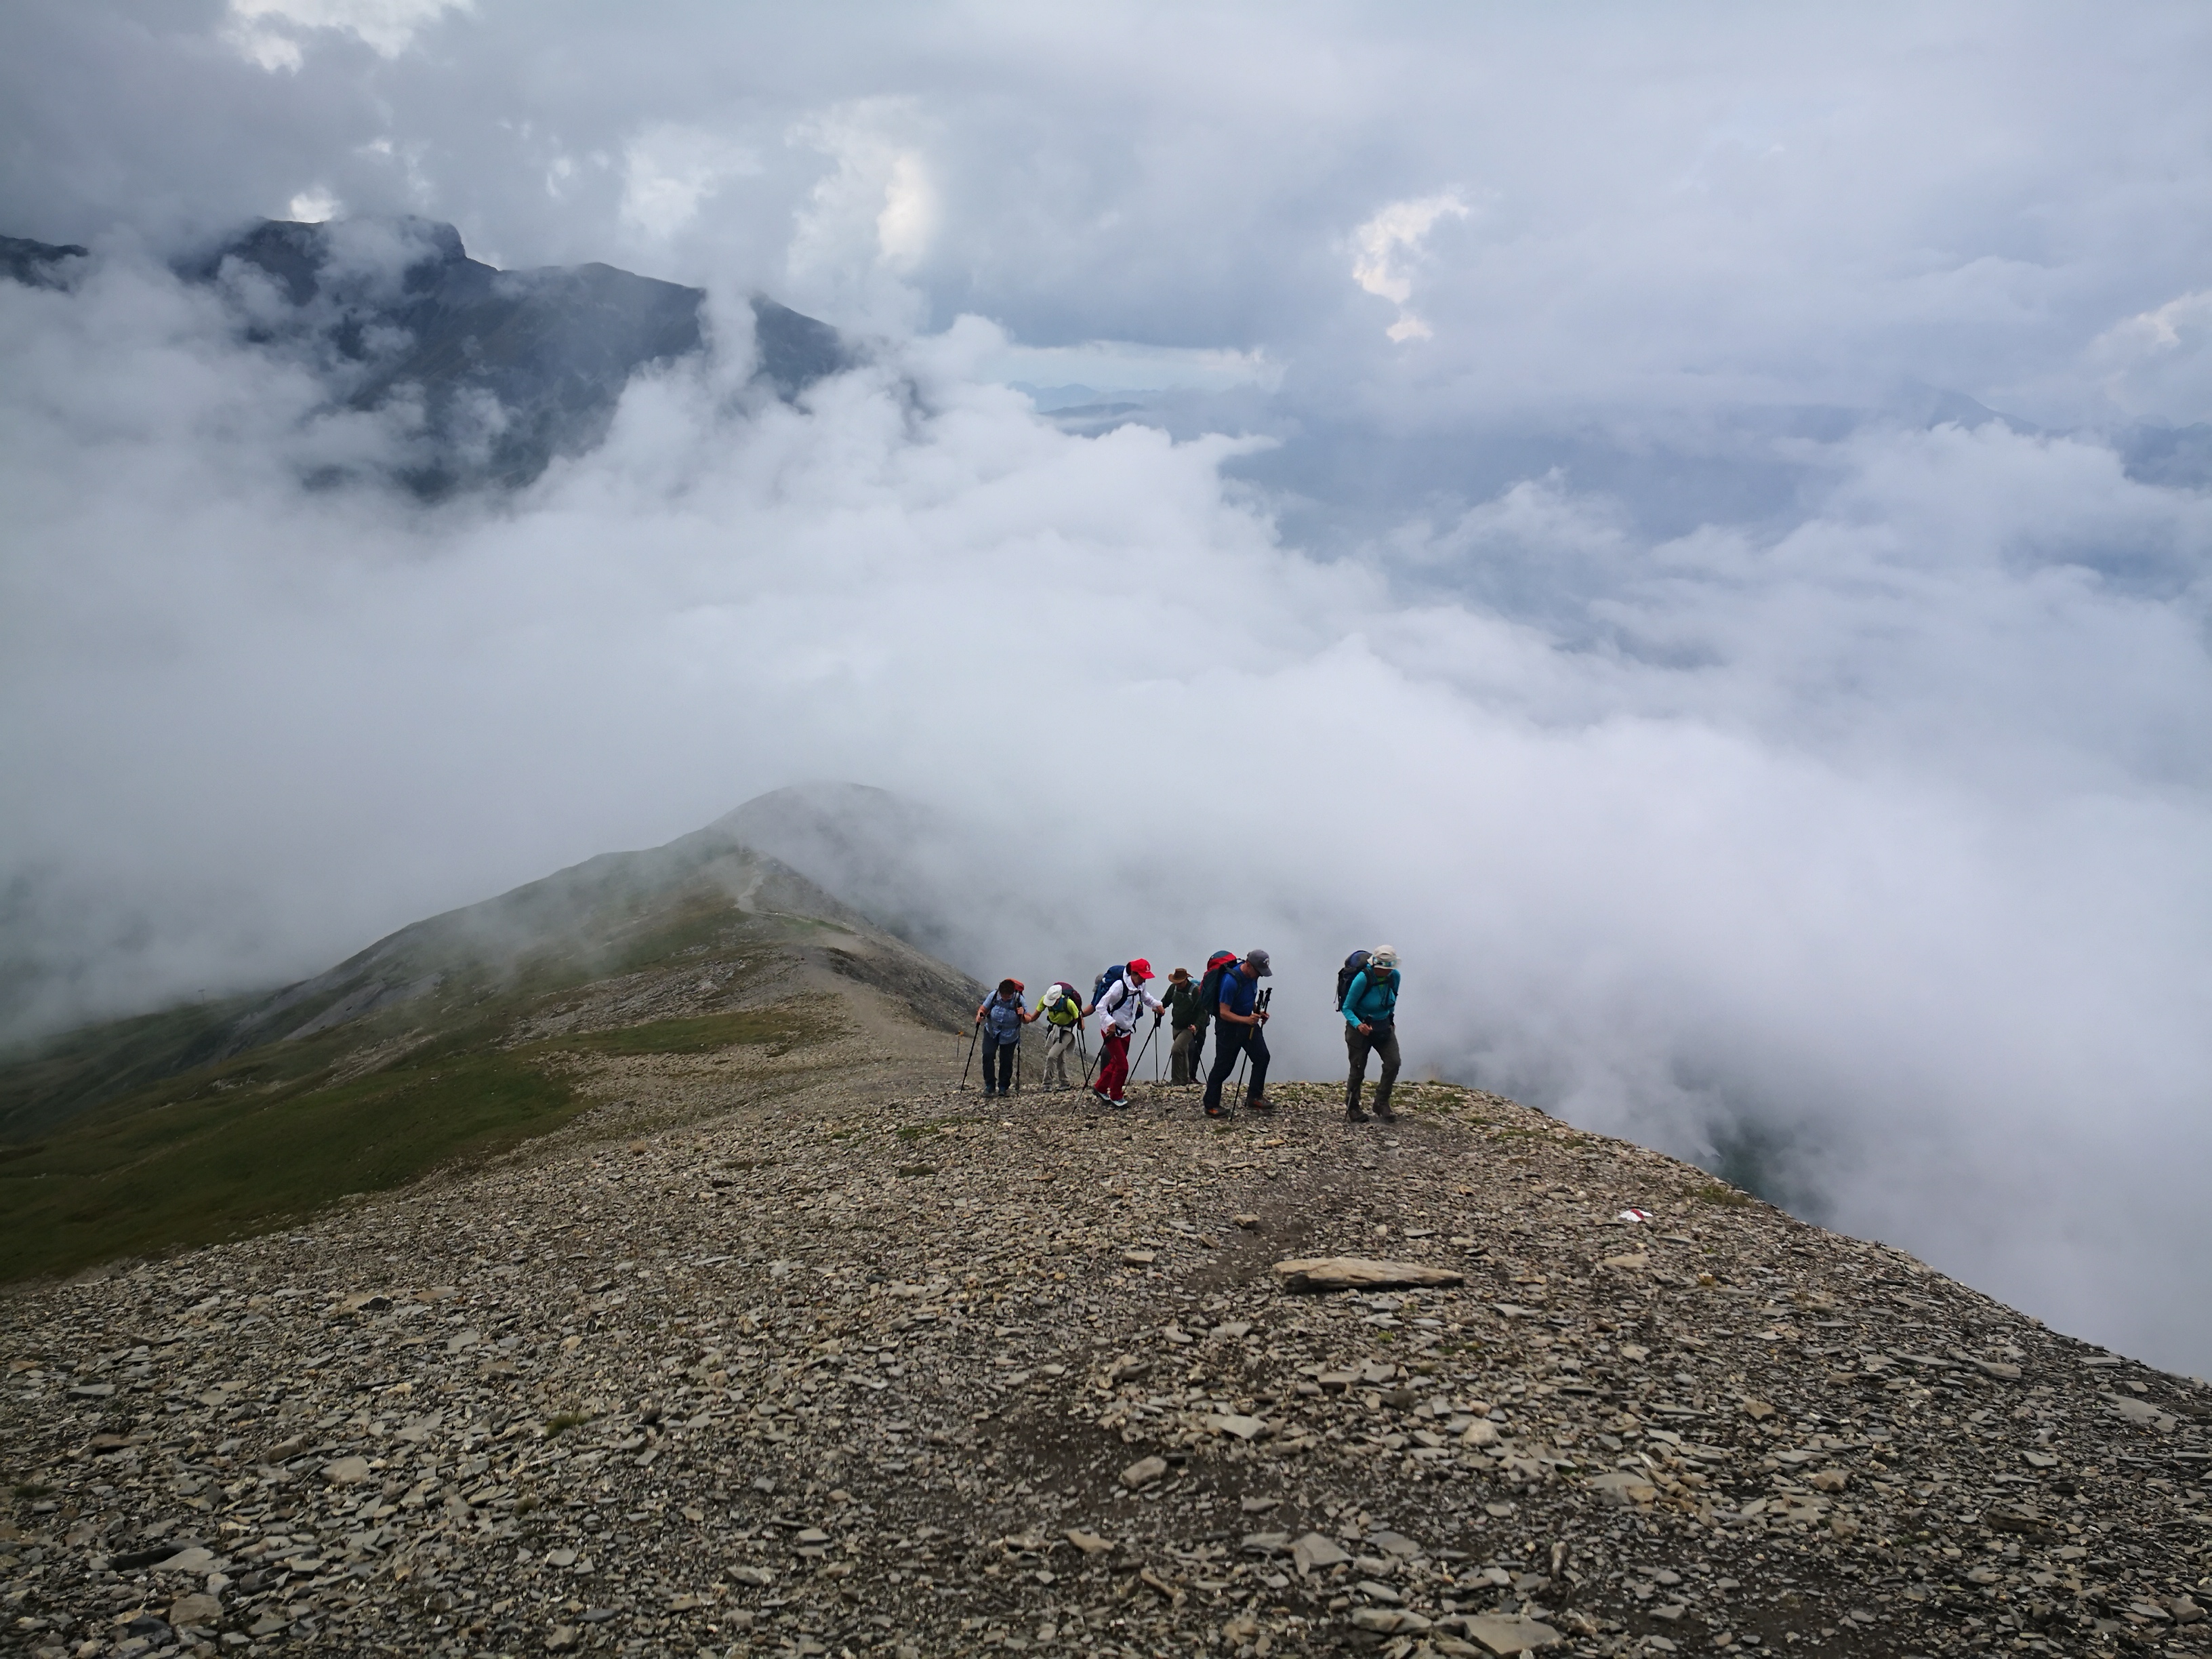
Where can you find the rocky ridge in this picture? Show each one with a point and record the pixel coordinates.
(842, 1361)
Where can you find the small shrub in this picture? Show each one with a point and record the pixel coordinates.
(1718, 1192)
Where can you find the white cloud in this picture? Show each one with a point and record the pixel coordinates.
(908, 218)
(270, 32)
(1129, 366)
(312, 206)
(1381, 246)
(669, 171)
(2159, 363)
(870, 222)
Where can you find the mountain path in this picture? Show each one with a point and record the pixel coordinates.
(837, 1360)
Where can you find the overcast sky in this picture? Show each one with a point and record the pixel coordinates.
(1552, 543)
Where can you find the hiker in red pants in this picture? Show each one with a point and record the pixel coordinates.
(1121, 1006)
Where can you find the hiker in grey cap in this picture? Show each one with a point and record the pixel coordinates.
(1370, 1026)
(1238, 1020)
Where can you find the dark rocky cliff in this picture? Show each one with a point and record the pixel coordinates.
(504, 369)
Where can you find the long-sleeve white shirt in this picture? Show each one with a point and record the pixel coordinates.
(1124, 1003)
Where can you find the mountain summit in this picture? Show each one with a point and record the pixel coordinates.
(498, 371)
(450, 1039)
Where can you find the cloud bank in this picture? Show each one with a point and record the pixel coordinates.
(1752, 747)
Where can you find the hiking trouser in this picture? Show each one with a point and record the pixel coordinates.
(1233, 1041)
(1059, 1044)
(1383, 1043)
(1113, 1064)
(1182, 1056)
(1003, 1052)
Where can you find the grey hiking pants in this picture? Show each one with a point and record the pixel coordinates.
(1383, 1042)
(1182, 1058)
(1059, 1044)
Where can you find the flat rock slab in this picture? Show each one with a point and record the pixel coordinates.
(1351, 1272)
(1313, 1552)
(1144, 1472)
(198, 1610)
(1504, 1632)
(1244, 1428)
(1621, 1486)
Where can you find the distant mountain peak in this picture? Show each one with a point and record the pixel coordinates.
(391, 307)
(38, 264)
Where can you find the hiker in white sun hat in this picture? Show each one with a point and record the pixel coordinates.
(1369, 1008)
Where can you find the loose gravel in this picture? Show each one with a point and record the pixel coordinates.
(866, 1365)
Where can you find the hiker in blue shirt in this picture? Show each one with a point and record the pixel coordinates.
(1237, 1020)
(1370, 1026)
(1002, 1019)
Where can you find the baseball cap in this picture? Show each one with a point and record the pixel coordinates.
(1139, 968)
(1258, 962)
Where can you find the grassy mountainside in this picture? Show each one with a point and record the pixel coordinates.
(448, 1040)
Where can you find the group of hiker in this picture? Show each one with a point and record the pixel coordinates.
(1226, 999)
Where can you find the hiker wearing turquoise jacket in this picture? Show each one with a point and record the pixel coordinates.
(1369, 1008)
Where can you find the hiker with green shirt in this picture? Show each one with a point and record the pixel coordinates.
(1061, 1011)
(1369, 1008)
(1186, 1019)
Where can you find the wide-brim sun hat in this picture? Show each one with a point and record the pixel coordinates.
(1383, 956)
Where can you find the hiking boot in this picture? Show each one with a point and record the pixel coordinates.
(1353, 1115)
(1384, 1113)
(1259, 1103)
(1217, 1111)
(1118, 1103)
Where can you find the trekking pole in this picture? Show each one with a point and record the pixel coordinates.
(970, 1060)
(1254, 1031)
(1140, 1066)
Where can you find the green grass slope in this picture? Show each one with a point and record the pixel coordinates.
(448, 1042)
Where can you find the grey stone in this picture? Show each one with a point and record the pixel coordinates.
(1313, 1552)
(1507, 1632)
(1348, 1273)
(1144, 1472)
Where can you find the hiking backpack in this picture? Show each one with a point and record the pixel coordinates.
(1354, 964)
(1117, 971)
(1209, 988)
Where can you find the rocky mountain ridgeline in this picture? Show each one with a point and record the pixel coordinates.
(841, 1361)
(447, 1041)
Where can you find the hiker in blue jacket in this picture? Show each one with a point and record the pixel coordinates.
(1370, 1026)
(1002, 1018)
(1237, 1022)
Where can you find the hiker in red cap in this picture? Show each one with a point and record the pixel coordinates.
(1119, 1006)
